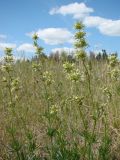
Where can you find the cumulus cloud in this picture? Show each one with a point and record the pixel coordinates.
(82, 12)
(105, 26)
(77, 10)
(26, 47)
(60, 50)
(9, 45)
(54, 36)
(2, 36)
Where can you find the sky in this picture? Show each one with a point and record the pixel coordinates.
(53, 21)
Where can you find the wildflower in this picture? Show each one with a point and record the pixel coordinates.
(8, 51)
(115, 73)
(78, 100)
(6, 67)
(15, 82)
(81, 43)
(35, 37)
(107, 92)
(79, 35)
(47, 78)
(39, 50)
(37, 47)
(15, 85)
(81, 54)
(112, 60)
(36, 66)
(8, 59)
(54, 109)
(74, 76)
(68, 66)
(78, 26)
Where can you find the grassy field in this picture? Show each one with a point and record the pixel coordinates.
(60, 110)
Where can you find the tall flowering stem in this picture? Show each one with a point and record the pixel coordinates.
(81, 45)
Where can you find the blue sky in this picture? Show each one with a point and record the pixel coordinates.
(53, 20)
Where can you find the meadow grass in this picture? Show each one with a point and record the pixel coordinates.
(60, 110)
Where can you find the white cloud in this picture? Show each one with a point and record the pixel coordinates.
(98, 45)
(9, 45)
(30, 34)
(60, 50)
(77, 10)
(97, 51)
(2, 36)
(82, 12)
(54, 36)
(105, 26)
(93, 21)
(26, 47)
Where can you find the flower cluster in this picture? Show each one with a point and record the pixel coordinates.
(47, 78)
(38, 49)
(114, 70)
(113, 61)
(12, 83)
(107, 92)
(81, 54)
(15, 85)
(115, 73)
(36, 67)
(78, 100)
(68, 67)
(54, 109)
(8, 61)
(80, 43)
(74, 76)
(72, 73)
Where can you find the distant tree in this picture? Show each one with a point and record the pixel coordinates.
(57, 56)
(104, 54)
(63, 56)
(99, 56)
(92, 55)
(42, 57)
(70, 58)
(54, 56)
(115, 54)
(51, 56)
